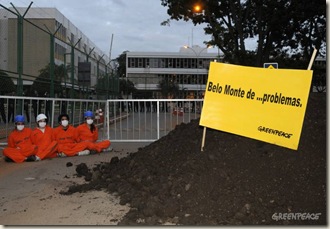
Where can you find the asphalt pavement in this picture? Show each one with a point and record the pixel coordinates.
(31, 182)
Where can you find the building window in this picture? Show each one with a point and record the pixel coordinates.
(140, 63)
(133, 62)
(174, 63)
(162, 63)
(185, 63)
(153, 63)
(59, 52)
(147, 62)
(72, 38)
(177, 63)
(170, 63)
(61, 32)
(193, 63)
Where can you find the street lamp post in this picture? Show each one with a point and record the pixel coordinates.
(111, 74)
(197, 58)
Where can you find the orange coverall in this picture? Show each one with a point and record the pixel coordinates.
(67, 142)
(20, 145)
(47, 147)
(84, 134)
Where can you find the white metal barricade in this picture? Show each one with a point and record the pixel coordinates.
(120, 120)
(146, 120)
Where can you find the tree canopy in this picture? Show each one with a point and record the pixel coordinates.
(126, 86)
(6, 83)
(168, 88)
(42, 83)
(280, 28)
(121, 68)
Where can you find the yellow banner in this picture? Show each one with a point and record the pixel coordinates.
(260, 103)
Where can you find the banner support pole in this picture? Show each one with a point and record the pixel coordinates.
(203, 139)
(312, 59)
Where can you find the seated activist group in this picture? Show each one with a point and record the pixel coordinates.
(25, 144)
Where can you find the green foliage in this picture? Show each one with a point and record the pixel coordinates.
(121, 60)
(280, 28)
(6, 83)
(102, 85)
(126, 86)
(168, 88)
(43, 82)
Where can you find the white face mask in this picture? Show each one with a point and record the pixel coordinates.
(42, 124)
(65, 123)
(20, 127)
(89, 121)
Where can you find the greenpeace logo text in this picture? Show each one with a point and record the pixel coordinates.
(274, 132)
(295, 216)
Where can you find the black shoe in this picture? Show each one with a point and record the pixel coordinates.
(8, 159)
(93, 152)
(31, 158)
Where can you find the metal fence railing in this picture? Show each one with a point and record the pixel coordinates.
(139, 120)
(30, 107)
(120, 120)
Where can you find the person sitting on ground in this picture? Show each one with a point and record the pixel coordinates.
(20, 147)
(65, 135)
(88, 132)
(42, 136)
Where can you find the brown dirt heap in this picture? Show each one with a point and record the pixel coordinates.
(236, 180)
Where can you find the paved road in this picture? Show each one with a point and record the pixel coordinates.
(32, 188)
(147, 126)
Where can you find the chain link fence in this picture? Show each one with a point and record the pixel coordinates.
(40, 56)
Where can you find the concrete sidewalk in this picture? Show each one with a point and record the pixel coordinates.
(31, 188)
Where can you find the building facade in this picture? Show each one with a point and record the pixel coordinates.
(39, 25)
(188, 69)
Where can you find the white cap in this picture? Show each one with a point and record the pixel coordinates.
(40, 117)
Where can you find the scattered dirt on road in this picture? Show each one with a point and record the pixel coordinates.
(235, 181)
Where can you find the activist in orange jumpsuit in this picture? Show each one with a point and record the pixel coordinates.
(65, 135)
(88, 132)
(20, 147)
(42, 136)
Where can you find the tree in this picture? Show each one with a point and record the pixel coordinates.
(6, 83)
(168, 87)
(121, 60)
(42, 83)
(280, 28)
(101, 86)
(310, 18)
(126, 86)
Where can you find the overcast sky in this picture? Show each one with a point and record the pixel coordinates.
(135, 24)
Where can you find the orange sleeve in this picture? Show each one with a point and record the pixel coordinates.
(77, 133)
(96, 134)
(49, 132)
(55, 133)
(30, 134)
(33, 137)
(11, 140)
(53, 136)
